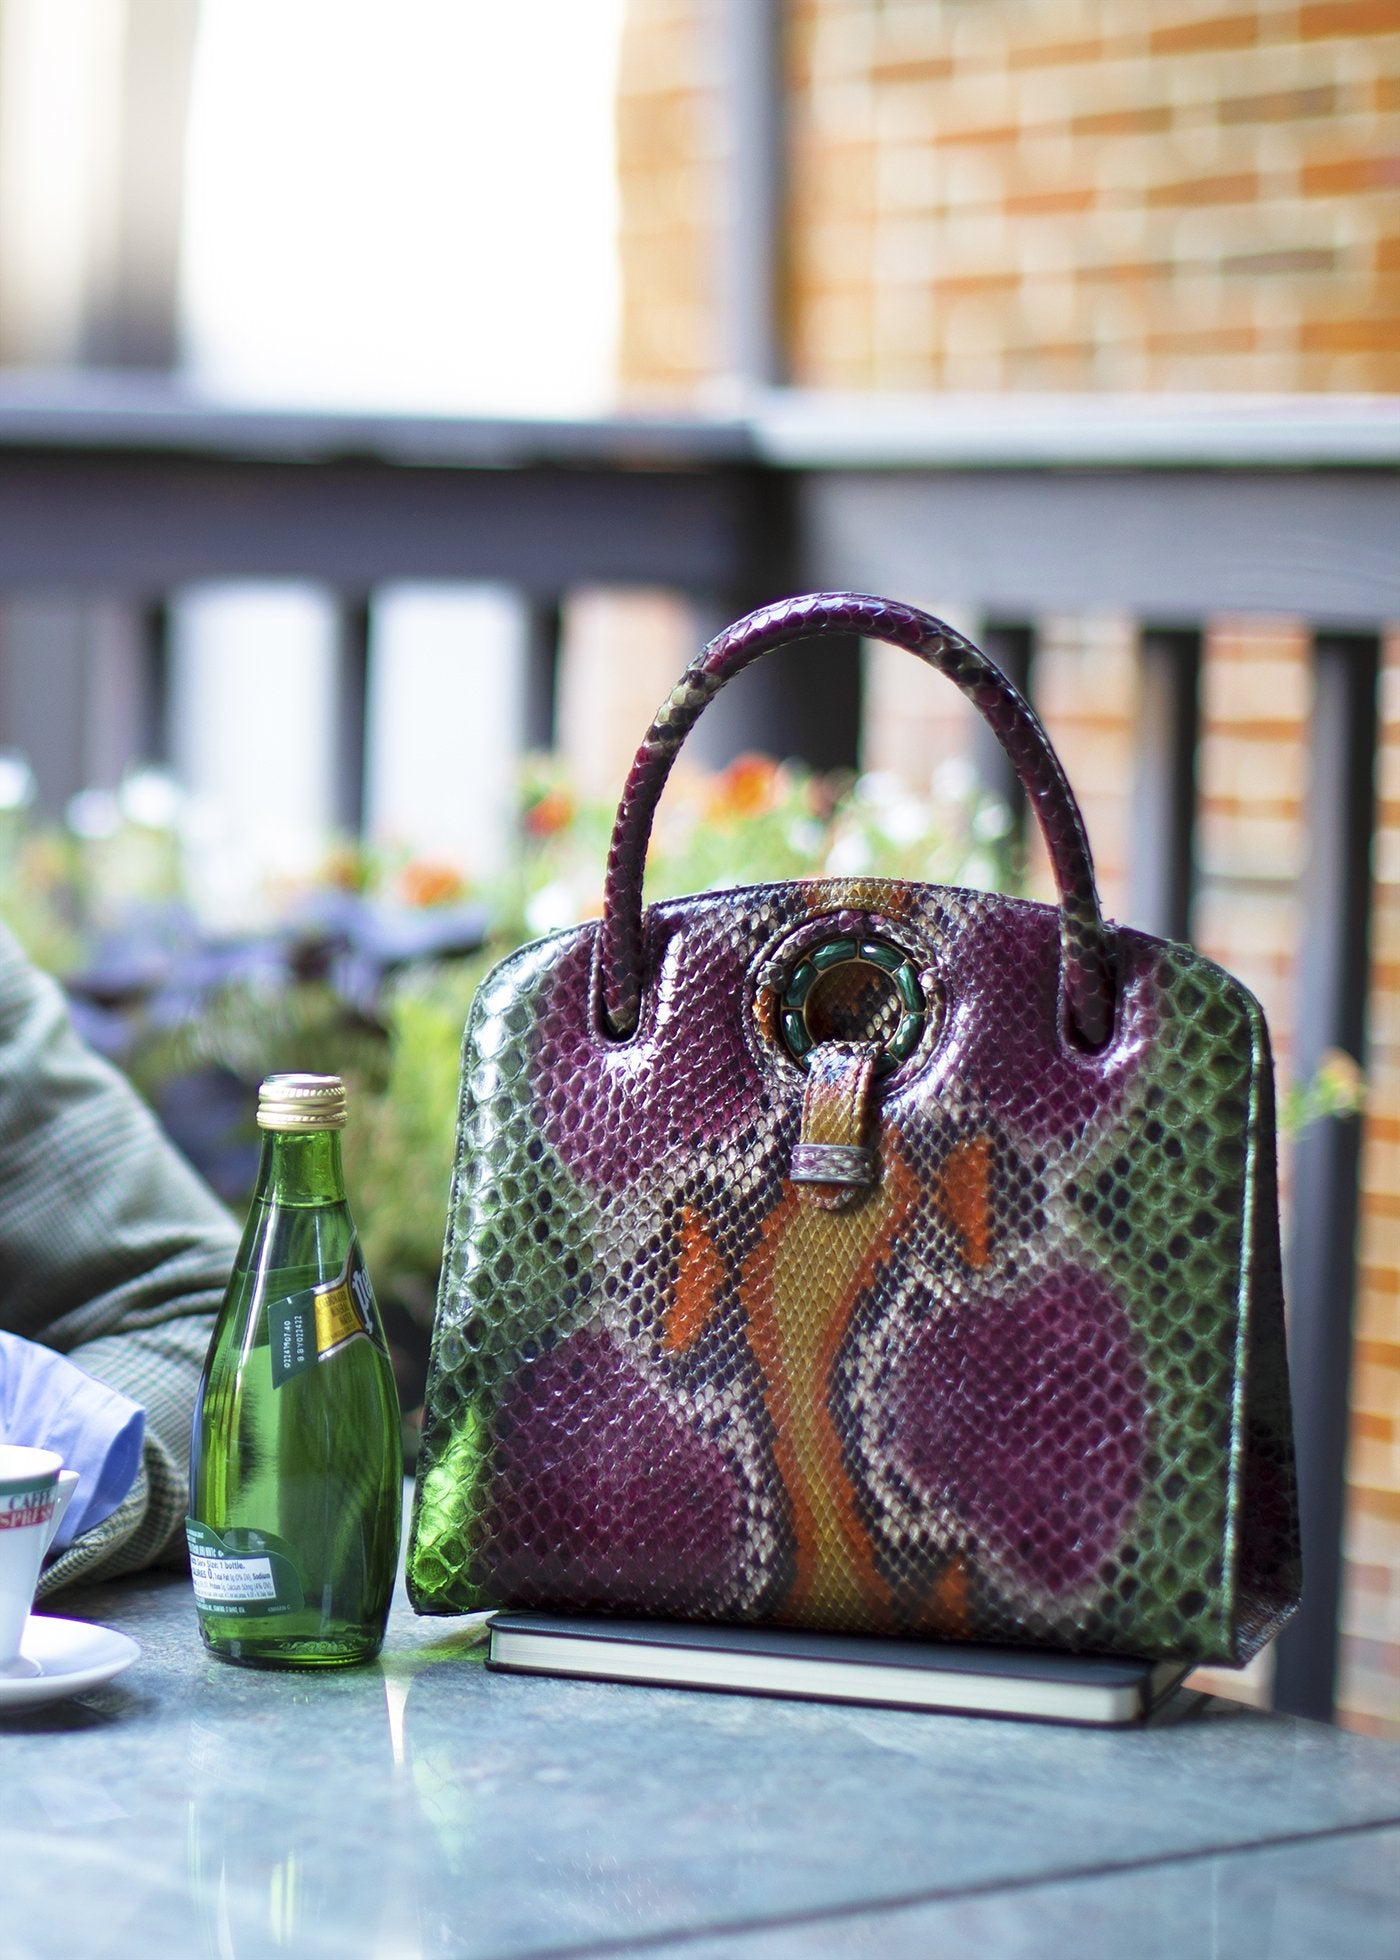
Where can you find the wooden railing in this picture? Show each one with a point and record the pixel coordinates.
(1172, 509)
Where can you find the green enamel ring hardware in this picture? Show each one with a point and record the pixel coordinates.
(802, 1009)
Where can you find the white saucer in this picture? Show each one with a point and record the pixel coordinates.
(66, 1657)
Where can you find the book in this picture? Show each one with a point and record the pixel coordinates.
(885, 1673)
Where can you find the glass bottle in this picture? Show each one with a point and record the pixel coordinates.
(296, 1475)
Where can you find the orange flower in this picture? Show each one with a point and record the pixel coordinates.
(424, 882)
(749, 787)
(551, 812)
(346, 868)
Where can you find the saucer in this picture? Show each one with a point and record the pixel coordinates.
(66, 1657)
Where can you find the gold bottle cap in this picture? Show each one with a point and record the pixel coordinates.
(301, 1102)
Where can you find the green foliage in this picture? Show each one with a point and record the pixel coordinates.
(398, 1147)
(38, 892)
(255, 1028)
(1338, 1088)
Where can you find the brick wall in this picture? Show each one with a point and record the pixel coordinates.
(1082, 195)
(670, 152)
(1038, 194)
(1097, 193)
(1255, 699)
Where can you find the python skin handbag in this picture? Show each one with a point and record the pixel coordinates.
(864, 1255)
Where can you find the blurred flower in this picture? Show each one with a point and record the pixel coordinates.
(981, 872)
(905, 820)
(879, 788)
(548, 813)
(553, 906)
(1337, 1089)
(46, 866)
(150, 799)
(805, 836)
(850, 855)
(956, 779)
(94, 815)
(426, 882)
(821, 795)
(751, 786)
(1342, 1077)
(991, 820)
(16, 781)
(346, 869)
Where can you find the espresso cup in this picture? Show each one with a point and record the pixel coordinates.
(34, 1493)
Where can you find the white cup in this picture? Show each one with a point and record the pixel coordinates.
(34, 1493)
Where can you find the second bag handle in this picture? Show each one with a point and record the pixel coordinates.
(1086, 961)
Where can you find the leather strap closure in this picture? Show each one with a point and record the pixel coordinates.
(831, 1160)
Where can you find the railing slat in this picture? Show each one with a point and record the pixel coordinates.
(349, 709)
(543, 633)
(1333, 971)
(142, 525)
(1012, 646)
(1162, 863)
(1023, 543)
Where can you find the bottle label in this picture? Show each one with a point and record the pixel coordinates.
(311, 1326)
(244, 1574)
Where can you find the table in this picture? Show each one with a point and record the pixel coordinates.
(425, 1809)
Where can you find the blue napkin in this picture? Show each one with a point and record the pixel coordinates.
(48, 1402)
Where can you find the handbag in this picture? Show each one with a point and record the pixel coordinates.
(864, 1255)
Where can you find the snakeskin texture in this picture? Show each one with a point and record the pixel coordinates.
(1088, 965)
(1002, 1361)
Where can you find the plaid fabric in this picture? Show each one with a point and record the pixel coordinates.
(111, 1251)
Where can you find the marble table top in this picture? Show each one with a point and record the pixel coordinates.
(425, 1809)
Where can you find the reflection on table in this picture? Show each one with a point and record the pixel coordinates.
(425, 1809)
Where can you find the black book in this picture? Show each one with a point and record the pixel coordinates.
(961, 1680)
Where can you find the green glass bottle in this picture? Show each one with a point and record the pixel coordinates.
(296, 1474)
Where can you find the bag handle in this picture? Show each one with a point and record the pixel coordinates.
(1086, 958)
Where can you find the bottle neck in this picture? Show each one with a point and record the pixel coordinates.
(301, 1167)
